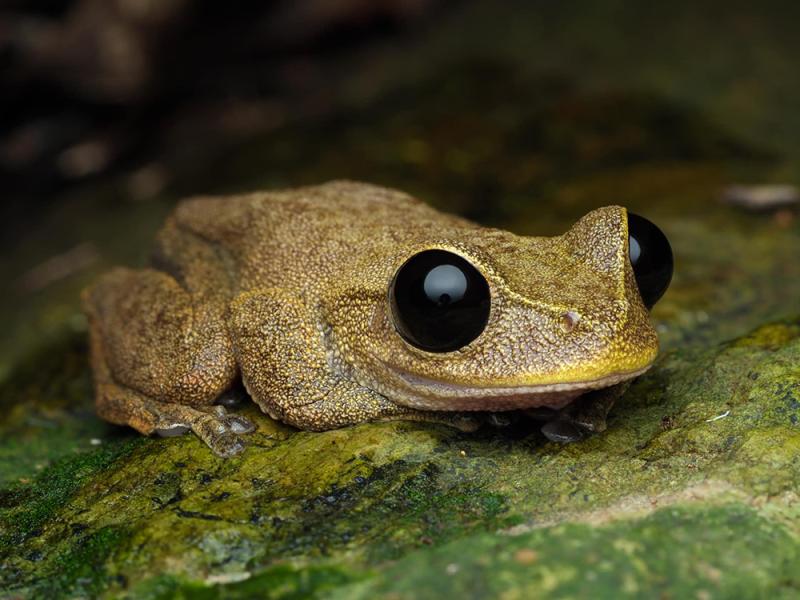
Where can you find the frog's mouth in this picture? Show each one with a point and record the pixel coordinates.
(432, 394)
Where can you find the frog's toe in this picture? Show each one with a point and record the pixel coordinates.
(239, 424)
(172, 431)
(236, 423)
(562, 431)
(218, 436)
(226, 446)
(221, 431)
(595, 424)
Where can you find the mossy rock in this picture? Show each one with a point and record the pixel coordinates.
(695, 477)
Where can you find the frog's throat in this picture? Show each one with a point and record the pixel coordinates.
(431, 394)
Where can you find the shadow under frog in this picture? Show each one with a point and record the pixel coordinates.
(347, 302)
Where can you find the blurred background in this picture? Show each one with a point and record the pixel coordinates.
(520, 114)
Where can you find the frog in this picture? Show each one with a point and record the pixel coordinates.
(342, 303)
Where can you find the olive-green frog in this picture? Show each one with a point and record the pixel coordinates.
(347, 302)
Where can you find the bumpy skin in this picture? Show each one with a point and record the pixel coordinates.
(290, 291)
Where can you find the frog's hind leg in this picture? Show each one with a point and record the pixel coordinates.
(160, 362)
(219, 430)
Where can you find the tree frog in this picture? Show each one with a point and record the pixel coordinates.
(347, 302)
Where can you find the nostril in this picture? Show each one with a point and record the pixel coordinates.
(569, 320)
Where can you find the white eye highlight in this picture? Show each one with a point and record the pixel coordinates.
(445, 284)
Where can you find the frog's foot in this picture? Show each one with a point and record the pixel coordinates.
(562, 431)
(584, 416)
(219, 429)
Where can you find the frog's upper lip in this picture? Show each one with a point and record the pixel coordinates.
(434, 394)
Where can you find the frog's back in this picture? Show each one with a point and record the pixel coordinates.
(347, 204)
(275, 235)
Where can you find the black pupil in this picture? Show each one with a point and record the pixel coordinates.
(651, 256)
(440, 302)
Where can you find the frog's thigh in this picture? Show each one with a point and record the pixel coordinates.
(154, 367)
(156, 339)
(284, 364)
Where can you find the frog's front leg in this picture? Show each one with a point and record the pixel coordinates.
(280, 349)
(587, 414)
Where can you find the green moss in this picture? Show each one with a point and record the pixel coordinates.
(56, 418)
(25, 508)
(283, 582)
(245, 513)
(725, 551)
(773, 336)
(82, 570)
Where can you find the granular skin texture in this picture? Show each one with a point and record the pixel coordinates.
(289, 292)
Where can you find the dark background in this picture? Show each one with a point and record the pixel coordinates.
(522, 114)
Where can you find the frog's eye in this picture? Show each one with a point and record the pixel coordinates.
(651, 257)
(440, 302)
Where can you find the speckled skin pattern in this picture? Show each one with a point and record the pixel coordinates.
(289, 290)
